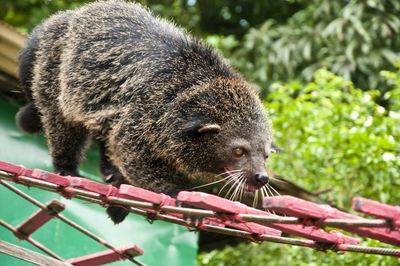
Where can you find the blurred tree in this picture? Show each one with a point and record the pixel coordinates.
(393, 95)
(354, 39)
(338, 136)
(227, 17)
(272, 40)
(25, 15)
(202, 17)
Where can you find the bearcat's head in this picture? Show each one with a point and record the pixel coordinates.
(218, 130)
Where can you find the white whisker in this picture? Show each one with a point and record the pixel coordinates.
(278, 180)
(266, 195)
(255, 200)
(262, 194)
(273, 189)
(226, 184)
(237, 186)
(268, 187)
(269, 190)
(233, 186)
(233, 177)
(242, 190)
(240, 187)
(228, 172)
(211, 183)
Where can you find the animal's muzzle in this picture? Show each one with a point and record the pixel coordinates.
(260, 179)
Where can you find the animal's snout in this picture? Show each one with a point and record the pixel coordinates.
(261, 178)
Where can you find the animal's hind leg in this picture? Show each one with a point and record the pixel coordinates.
(66, 141)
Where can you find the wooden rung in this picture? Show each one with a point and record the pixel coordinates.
(107, 256)
(29, 255)
(36, 220)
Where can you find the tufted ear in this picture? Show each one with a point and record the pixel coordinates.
(197, 128)
(209, 128)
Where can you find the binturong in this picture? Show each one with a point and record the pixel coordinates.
(168, 112)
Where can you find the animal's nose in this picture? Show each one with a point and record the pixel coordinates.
(261, 178)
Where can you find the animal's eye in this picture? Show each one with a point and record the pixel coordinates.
(238, 152)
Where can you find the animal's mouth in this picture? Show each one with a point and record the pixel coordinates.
(250, 188)
(238, 182)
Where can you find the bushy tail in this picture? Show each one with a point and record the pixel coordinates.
(28, 119)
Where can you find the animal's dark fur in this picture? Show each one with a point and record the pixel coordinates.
(143, 88)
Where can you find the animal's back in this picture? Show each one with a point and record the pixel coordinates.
(118, 54)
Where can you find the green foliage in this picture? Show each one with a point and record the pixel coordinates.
(354, 39)
(334, 136)
(393, 95)
(277, 254)
(339, 139)
(27, 14)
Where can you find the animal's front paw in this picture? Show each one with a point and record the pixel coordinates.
(117, 213)
(115, 179)
(111, 175)
(65, 172)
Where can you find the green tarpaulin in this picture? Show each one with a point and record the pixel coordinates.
(163, 243)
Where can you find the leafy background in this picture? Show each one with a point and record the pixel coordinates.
(327, 73)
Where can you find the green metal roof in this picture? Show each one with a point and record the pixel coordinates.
(163, 243)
